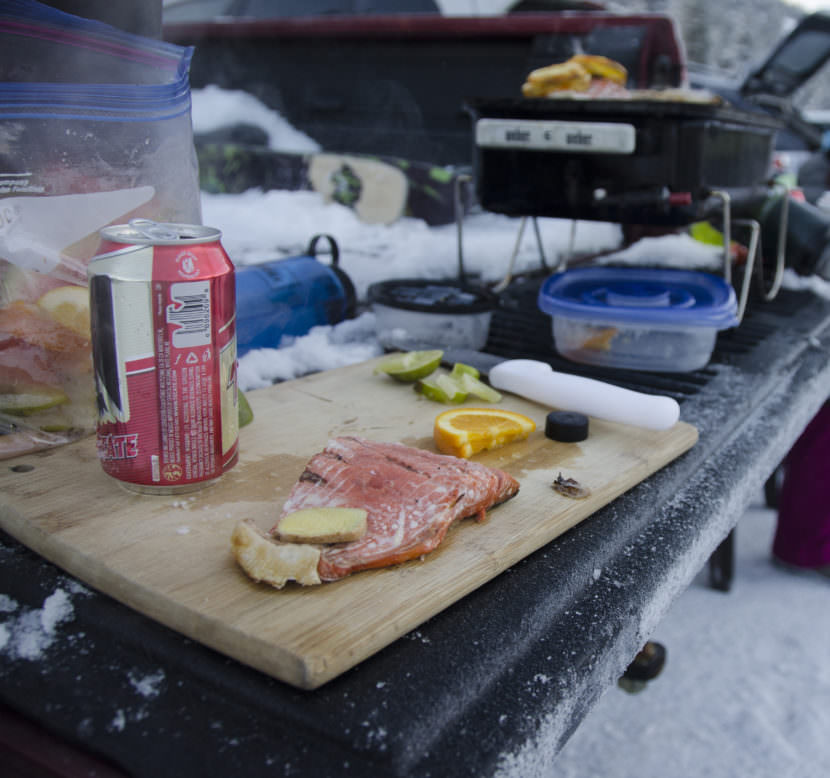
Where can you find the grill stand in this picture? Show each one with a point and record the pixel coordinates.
(725, 198)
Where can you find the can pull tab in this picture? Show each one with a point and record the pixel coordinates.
(151, 230)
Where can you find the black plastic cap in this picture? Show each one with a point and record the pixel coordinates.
(566, 426)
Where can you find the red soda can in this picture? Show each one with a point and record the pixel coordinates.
(163, 309)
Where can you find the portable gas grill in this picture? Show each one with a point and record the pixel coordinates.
(639, 161)
(656, 162)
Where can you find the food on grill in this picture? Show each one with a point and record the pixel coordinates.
(563, 76)
(602, 67)
(466, 431)
(597, 77)
(322, 525)
(411, 498)
(581, 73)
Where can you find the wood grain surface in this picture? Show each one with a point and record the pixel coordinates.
(169, 556)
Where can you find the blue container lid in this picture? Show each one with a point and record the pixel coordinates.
(645, 296)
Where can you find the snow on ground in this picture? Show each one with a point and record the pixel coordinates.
(212, 106)
(746, 689)
(261, 226)
(746, 686)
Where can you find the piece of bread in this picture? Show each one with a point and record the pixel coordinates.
(322, 525)
(602, 67)
(574, 75)
(535, 90)
(561, 76)
(266, 560)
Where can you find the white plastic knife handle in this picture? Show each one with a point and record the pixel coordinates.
(537, 381)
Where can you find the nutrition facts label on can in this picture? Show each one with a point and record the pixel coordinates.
(198, 428)
(186, 364)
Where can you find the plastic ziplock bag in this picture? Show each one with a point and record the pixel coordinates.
(75, 155)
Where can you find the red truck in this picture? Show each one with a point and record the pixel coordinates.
(396, 84)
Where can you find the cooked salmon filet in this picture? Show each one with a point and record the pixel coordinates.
(411, 497)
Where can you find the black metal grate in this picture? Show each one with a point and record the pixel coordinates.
(519, 330)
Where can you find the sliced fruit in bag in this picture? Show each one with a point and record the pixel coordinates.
(32, 399)
(69, 306)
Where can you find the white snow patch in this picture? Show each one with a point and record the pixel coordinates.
(149, 685)
(30, 632)
(214, 108)
(745, 689)
(119, 721)
(323, 348)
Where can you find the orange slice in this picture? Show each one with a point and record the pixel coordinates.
(466, 431)
(69, 306)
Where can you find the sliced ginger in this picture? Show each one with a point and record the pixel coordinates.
(322, 525)
(271, 562)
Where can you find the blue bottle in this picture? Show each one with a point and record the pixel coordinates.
(289, 296)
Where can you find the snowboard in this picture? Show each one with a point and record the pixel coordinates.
(380, 190)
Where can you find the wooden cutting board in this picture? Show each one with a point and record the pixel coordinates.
(169, 556)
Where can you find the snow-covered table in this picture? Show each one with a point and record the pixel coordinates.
(493, 685)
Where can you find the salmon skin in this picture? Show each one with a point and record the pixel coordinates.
(411, 497)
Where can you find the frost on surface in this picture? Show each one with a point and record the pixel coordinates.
(28, 633)
(147, 686)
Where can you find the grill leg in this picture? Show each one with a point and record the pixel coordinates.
(722, 564)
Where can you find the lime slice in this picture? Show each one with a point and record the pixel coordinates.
(246, 415)
(56, 419)
(471, 385)
(442, 389)
(32, 401)
(459, 369)
(410, 366)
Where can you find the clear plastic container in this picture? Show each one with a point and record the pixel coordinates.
(419, 314)
(638, 318)
(407, 330)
